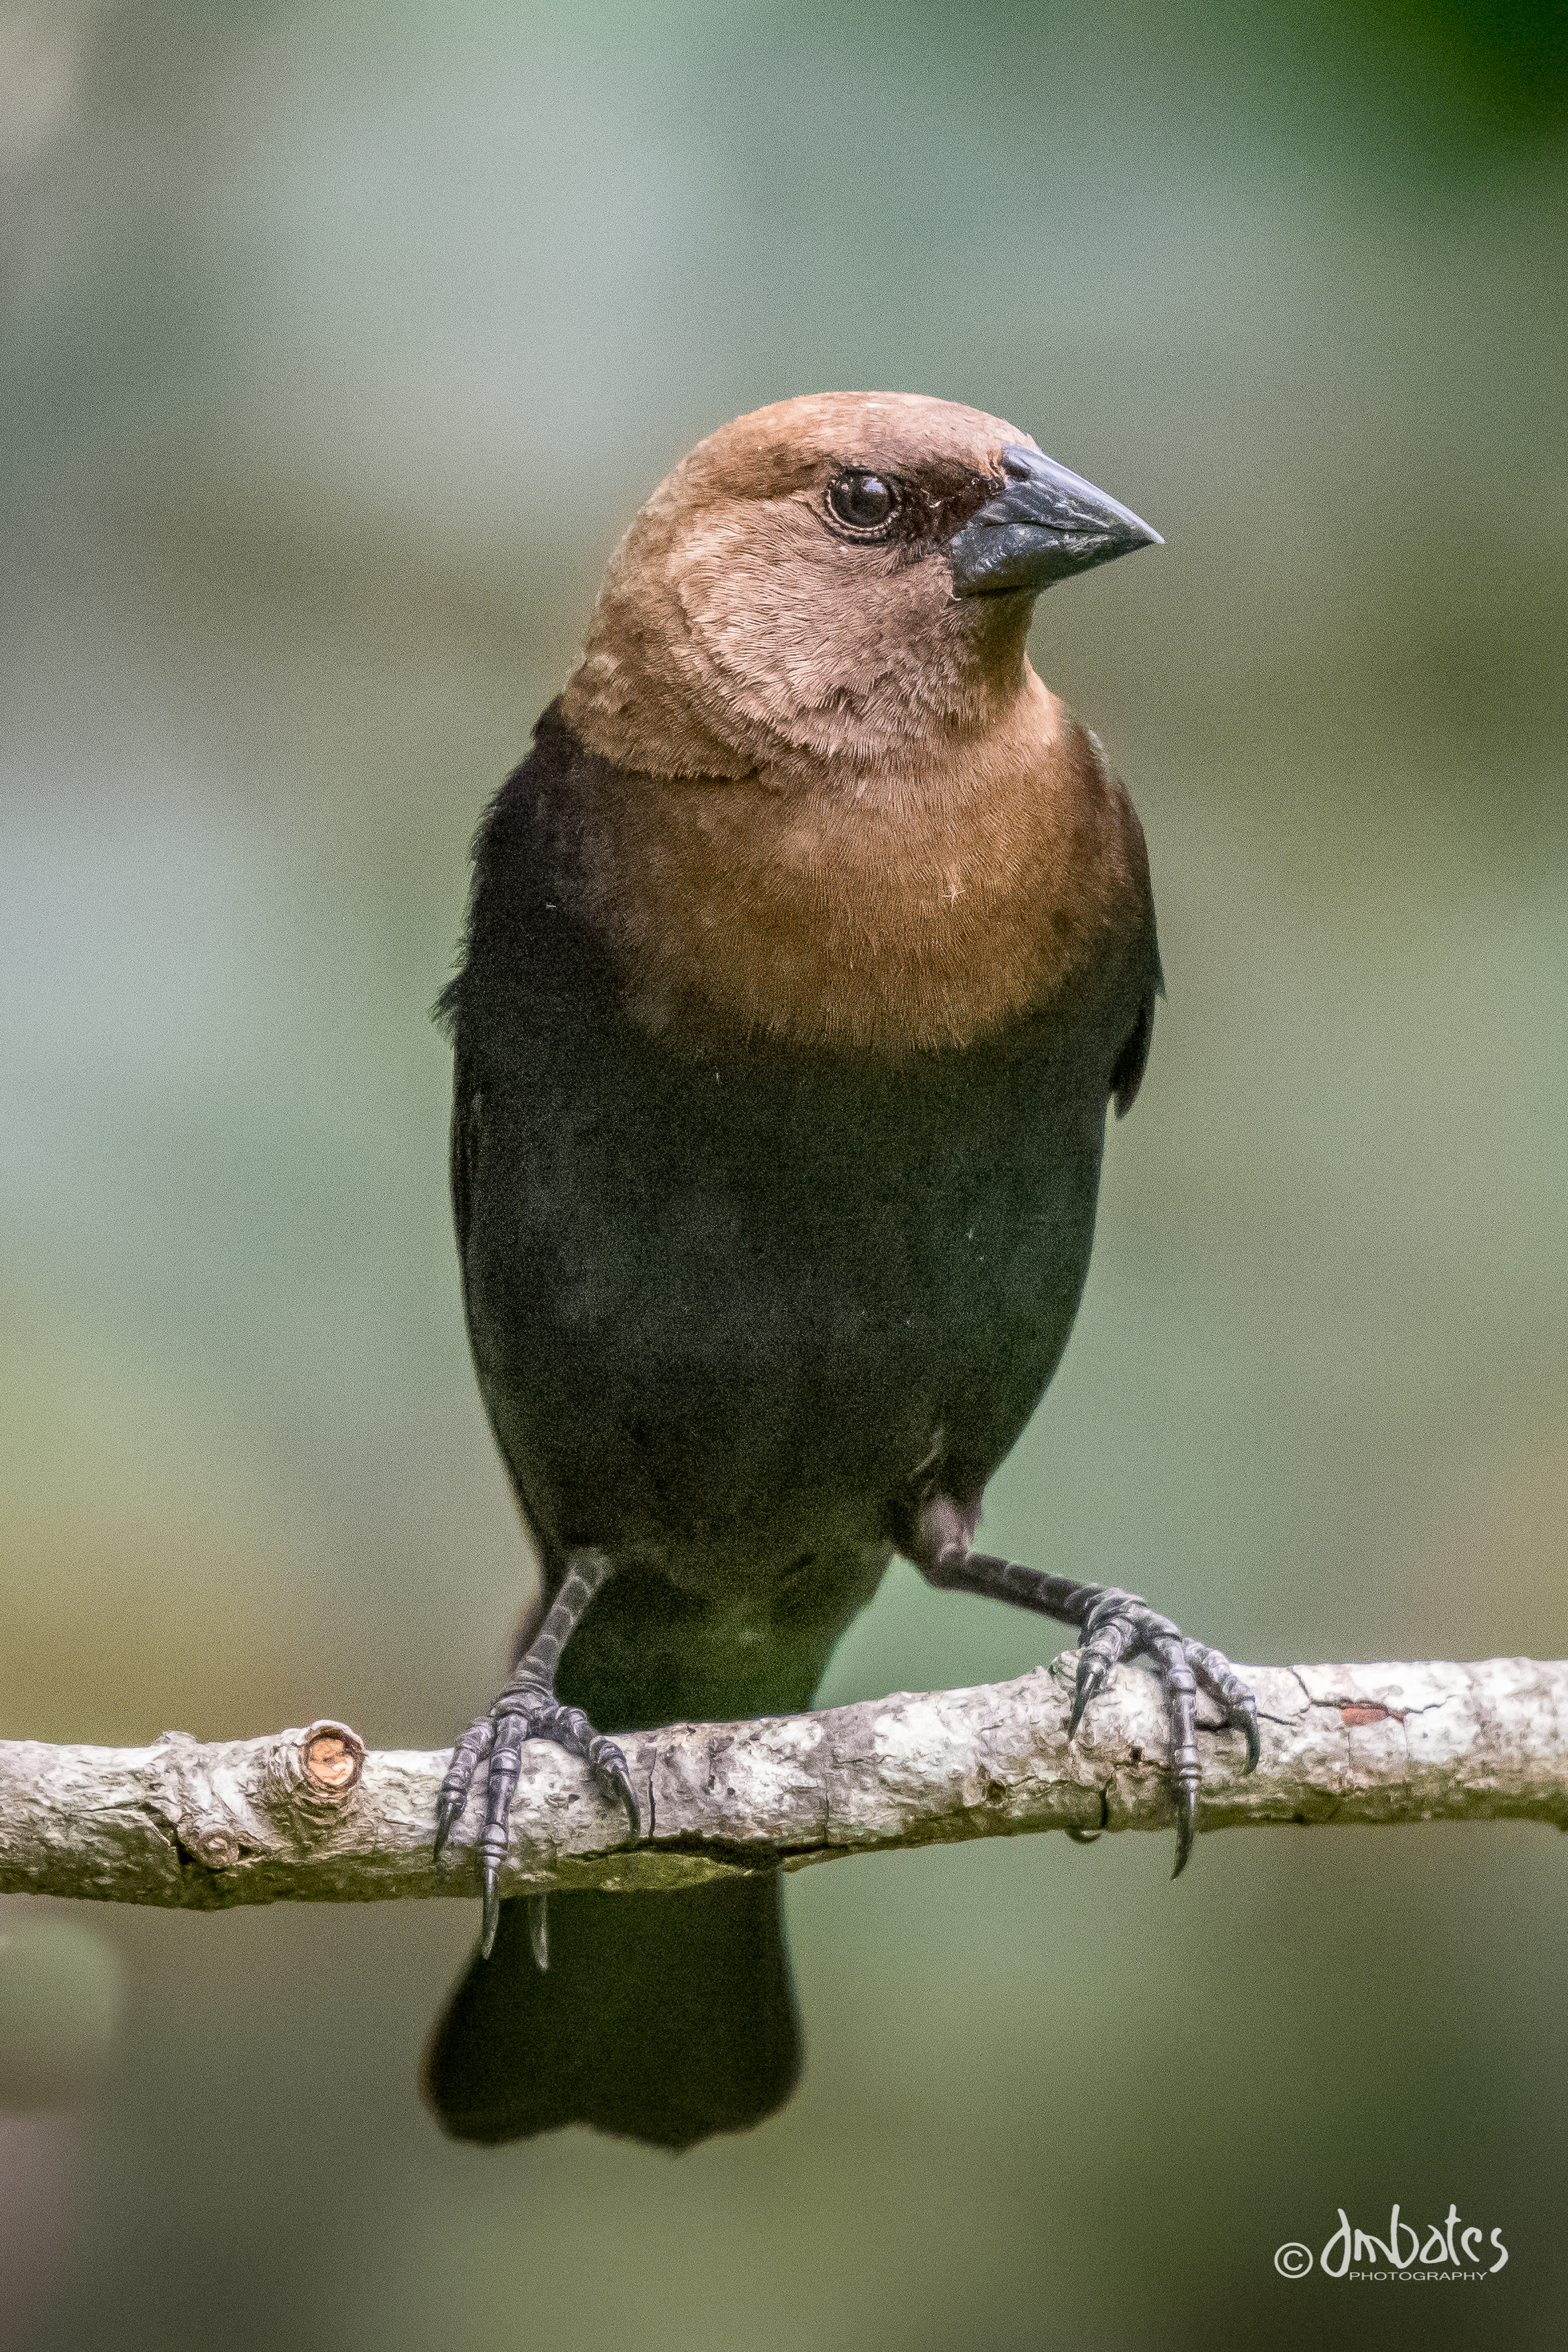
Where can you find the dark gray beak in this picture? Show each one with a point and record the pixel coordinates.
(1044, 524)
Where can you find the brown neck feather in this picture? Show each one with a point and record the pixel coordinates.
(880, 912)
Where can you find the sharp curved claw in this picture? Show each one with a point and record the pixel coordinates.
(1187, 1824)
(612, 1778)
(448, 1813)
(1090, 1684)
(1215, 1673)
(491, 1919)
(621, 1787)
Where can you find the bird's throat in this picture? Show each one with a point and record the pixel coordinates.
(891, 914)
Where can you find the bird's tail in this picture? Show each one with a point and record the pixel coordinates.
(661, 2017)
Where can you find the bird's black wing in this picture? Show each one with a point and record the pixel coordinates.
(1127, 1075)
(467, 1116)
(1140, 972)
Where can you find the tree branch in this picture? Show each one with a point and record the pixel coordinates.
(309, 1816)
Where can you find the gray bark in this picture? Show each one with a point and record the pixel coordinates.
(309, 1816)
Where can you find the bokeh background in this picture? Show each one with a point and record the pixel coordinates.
(339, 342)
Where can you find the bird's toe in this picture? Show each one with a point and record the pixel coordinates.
(466, 1757)
(612, 1778)
(1122, 1624)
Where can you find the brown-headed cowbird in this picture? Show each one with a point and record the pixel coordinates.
(805, 952)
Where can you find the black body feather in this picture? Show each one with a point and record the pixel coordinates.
(737, 1308)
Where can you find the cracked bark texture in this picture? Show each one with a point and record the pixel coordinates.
(309, 1816)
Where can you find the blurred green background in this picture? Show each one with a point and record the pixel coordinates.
(340, 343)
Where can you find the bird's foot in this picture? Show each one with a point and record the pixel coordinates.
(1111, 1625)
(527, 1709)
(1117, 1625)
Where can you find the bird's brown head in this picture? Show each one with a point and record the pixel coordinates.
(830, 800)
(847, 577)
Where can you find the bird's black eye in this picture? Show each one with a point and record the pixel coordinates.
(861, 501)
